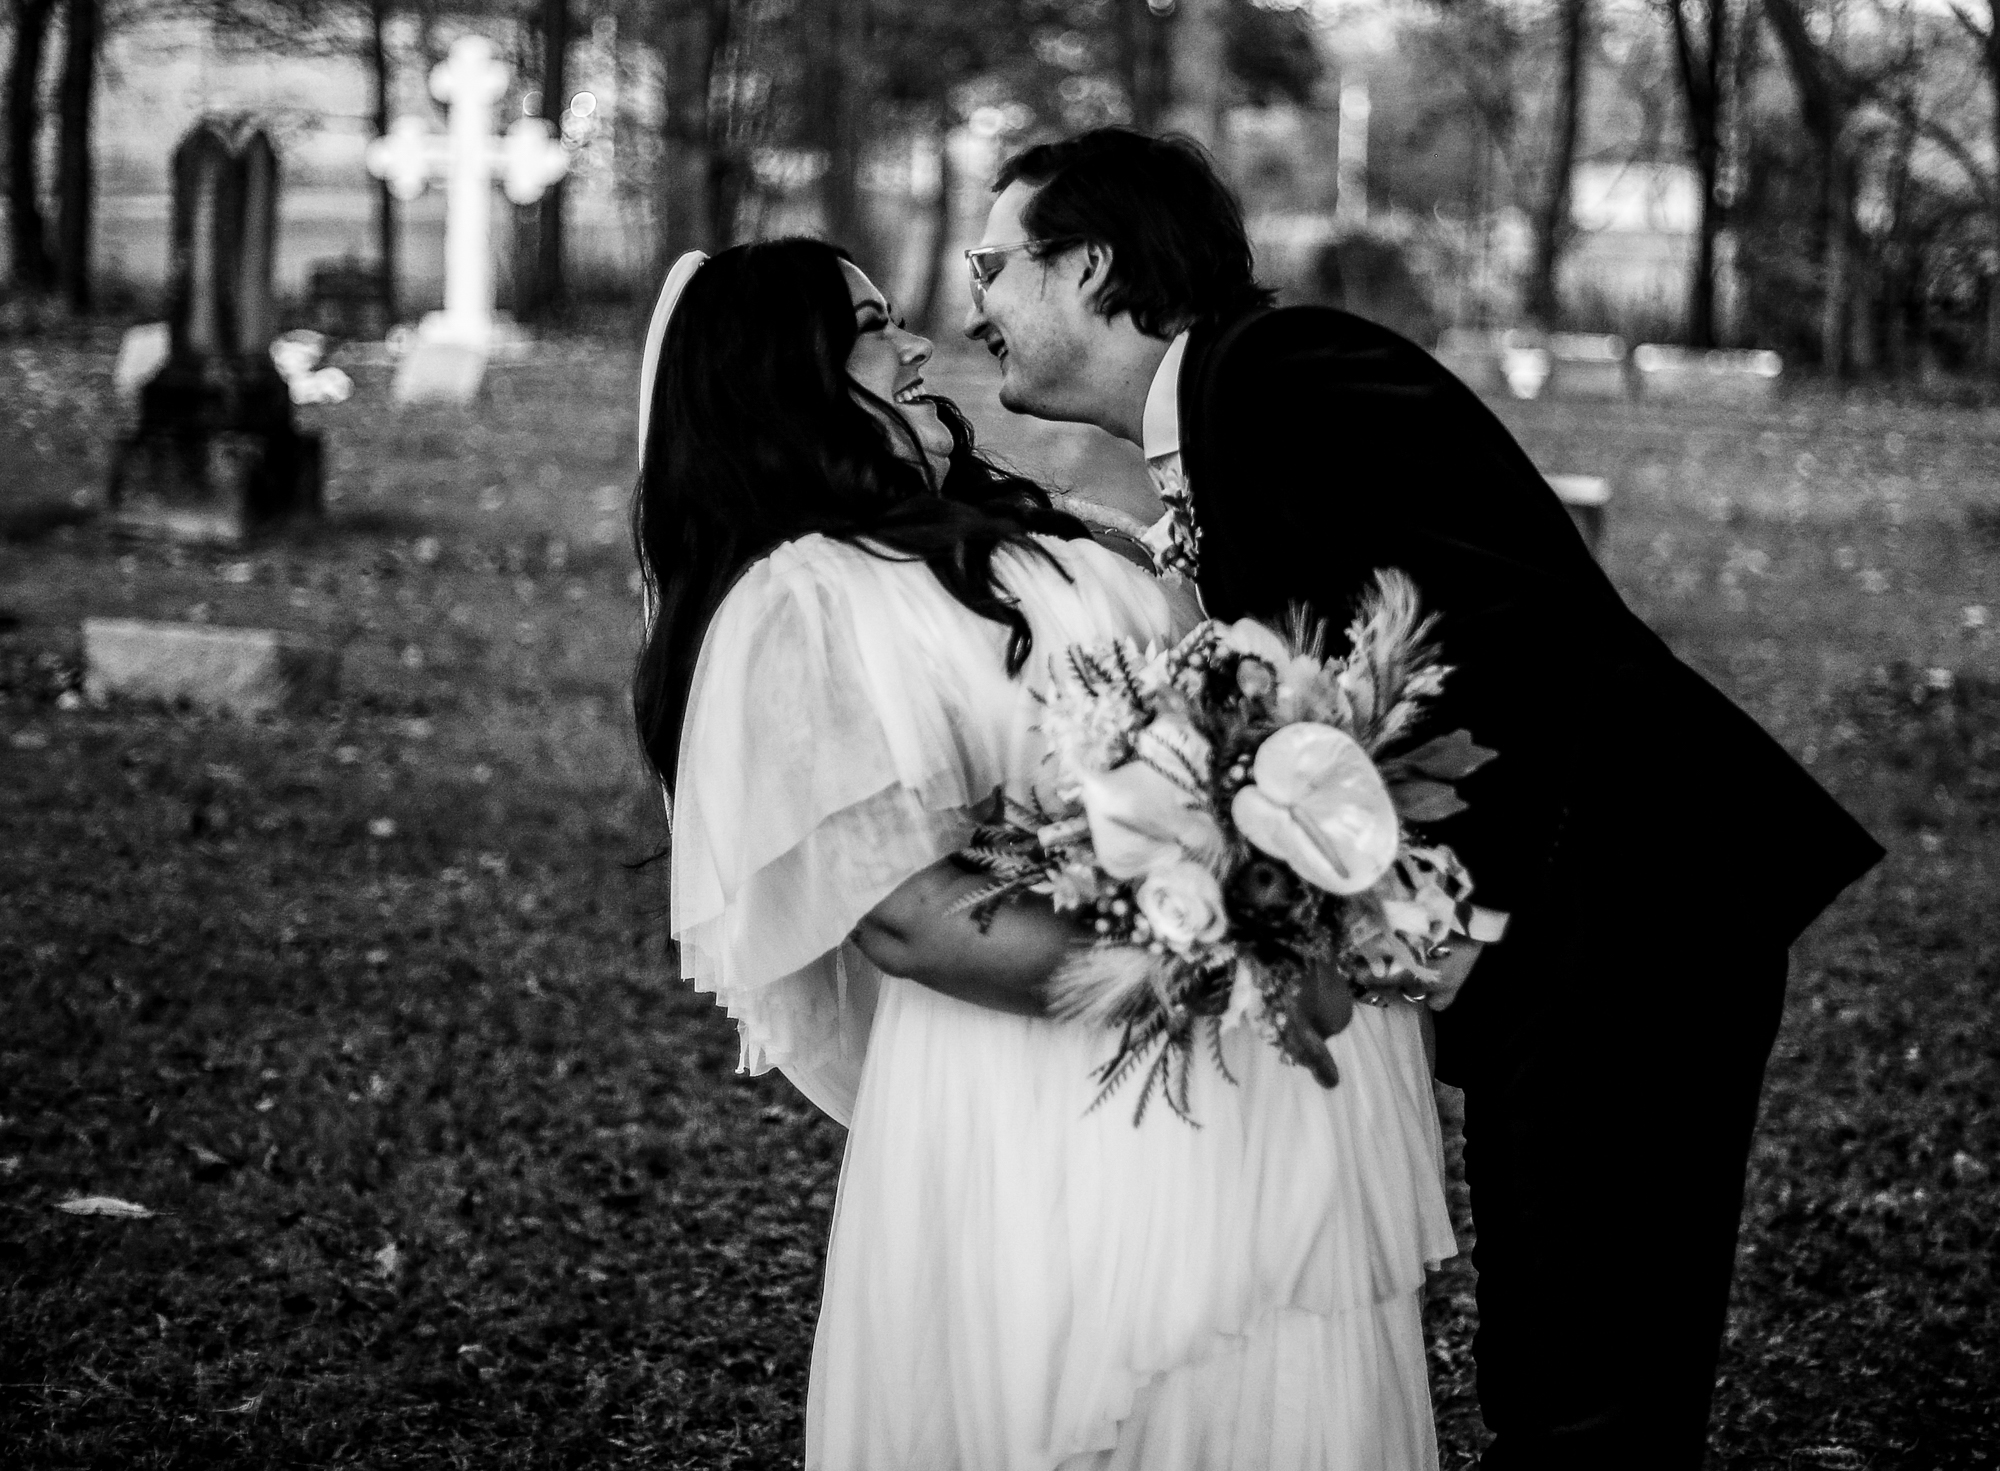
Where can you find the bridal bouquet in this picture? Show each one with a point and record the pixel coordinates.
(1231, 813)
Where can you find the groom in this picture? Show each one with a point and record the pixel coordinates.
(1644, 852)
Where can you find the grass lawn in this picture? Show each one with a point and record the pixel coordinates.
(372, 1010)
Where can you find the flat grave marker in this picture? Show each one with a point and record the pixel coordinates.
(238, 671)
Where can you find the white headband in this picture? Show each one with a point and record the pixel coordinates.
(656, 334)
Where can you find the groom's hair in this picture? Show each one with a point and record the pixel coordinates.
(1179, 251)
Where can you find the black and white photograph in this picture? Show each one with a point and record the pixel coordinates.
(1000, 735)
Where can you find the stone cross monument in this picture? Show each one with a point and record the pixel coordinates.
(216, 454)
(450, 357)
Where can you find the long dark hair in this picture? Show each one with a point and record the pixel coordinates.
(758, 436)
(1179, 252)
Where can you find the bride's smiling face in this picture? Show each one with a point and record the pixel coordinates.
(888, 360)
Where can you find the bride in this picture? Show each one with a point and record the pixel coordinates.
(851, 614)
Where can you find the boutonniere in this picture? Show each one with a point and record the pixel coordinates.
(1174, 541)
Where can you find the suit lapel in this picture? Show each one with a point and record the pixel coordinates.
(1208, 349)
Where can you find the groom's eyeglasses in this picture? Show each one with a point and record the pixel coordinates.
(987, 261)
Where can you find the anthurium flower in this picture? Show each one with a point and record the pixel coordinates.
(1317, 803)
(1148, 812)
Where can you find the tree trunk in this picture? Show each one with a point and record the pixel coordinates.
(1835, 284)
(683, 198)
(1826, 99)
(1863, 318)
(1701, 295)
(1552, 228)
(1199, 63)
(428, 45)
(1145, 55)
(840, 52)
(385, 202)
(930, 292)
(1992, 59)
(75, 176)
(1701, 74)
(1993, 307)
(725, 165)
(27, 237)
(695, 177)
(1901, 261)
(549, 298)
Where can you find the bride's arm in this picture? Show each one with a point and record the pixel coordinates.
(1005, 965)
(1002, 966)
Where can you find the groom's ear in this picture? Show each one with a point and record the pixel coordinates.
(1096, 271)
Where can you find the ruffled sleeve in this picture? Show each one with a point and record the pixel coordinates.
(824, 760)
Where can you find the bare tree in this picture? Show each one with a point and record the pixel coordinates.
(83, 22)
(1197, 71)
(1986, 37)
(1553, 227)
(838, 52)
(544, 295)
(1145, 57)
(698, 188)
(33, 268)
(1829, 92)
(1700, 32)
(925, 309)
(380, 71)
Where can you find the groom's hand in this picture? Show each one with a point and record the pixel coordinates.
(1452, 969)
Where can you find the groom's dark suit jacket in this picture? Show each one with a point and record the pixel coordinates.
(1629, 794)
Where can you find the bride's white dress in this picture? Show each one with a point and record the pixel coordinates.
(1016, 1282)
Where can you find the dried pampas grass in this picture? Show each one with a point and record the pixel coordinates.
(1100, 984)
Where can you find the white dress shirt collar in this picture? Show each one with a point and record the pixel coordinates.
(1160, 430)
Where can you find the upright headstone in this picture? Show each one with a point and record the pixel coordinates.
(1585, 497)
(1515, 362)
(1587, 365)
(449, 359)
(216, 455)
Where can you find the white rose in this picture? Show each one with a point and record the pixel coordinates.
(1183, 903)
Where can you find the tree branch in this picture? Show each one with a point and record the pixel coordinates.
(1983, 37)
